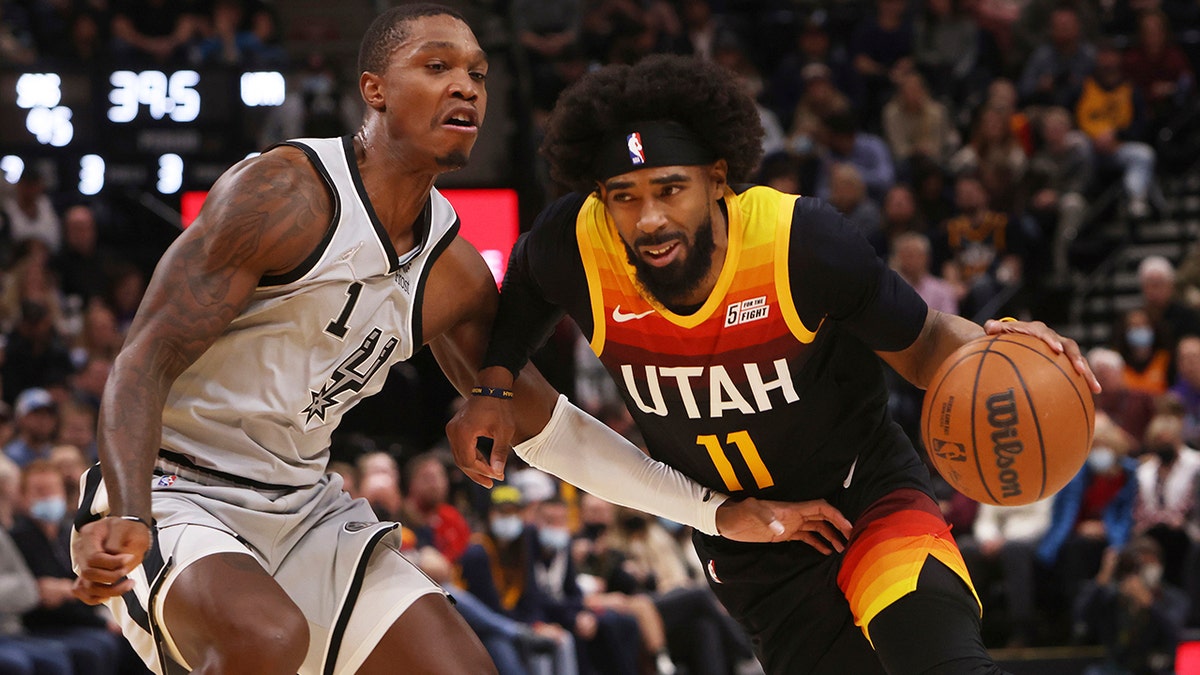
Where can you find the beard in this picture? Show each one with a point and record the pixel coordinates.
(673, 283)
(455, 159)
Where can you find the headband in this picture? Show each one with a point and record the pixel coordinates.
(646, 145)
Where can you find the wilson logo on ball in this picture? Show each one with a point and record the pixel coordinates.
(1002, 416)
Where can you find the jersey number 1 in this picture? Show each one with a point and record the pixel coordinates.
(337, 327)
(742, 441)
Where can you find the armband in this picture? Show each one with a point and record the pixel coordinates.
(493, 392)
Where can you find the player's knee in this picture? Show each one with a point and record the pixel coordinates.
(275, 645)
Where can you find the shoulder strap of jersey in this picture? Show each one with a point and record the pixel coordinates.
(783, 277)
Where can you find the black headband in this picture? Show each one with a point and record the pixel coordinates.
(644, 145)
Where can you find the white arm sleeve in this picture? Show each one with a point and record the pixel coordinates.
(583, 451)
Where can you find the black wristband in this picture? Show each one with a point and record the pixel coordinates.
(136, 519)
(493, 392)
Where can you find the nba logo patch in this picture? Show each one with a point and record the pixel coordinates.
(636, 154)
(165, 481)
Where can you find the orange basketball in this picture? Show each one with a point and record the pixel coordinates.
(1007, 421)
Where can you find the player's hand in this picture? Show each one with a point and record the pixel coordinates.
(480, 436)
(816, 523)
(1060, 344)
(104, 553)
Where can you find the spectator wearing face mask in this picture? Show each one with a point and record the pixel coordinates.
(1146, 353)
(1167, 492)
(1132, 612)
(1093, 512)
(516, 570)
(43, 537)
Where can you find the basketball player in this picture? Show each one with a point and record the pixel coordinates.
(216, 536)
(742, 327)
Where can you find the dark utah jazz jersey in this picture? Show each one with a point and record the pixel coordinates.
(770, 389)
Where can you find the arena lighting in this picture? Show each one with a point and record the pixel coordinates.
(49, 122)
(12, 167)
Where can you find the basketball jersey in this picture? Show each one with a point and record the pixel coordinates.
(769, 389)
(262, 402)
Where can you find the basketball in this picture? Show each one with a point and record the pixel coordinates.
(1007, 421)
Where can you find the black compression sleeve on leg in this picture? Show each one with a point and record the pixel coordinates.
(934, 630)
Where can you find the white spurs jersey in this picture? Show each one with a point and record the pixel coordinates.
(261, 403)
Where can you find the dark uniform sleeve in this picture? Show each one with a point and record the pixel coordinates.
(836, 274)
(544, 277)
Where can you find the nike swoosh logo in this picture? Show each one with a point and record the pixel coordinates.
(621, 317)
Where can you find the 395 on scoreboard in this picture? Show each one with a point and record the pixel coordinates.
(156, 130)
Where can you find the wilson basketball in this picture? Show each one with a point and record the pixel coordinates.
(1007, 421)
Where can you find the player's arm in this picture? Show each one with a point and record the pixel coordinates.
(943, 333)
(264, 216)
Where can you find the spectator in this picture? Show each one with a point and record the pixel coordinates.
(820, 100)
(1186, 387)
(729, 53)
(501, 568)
(236, 42)
(1055, 71)
(848, 194)
(318, 104)
(29, 213)
(545, 30)
(1130, 610)
(1002, 554)
(82, 265)
(43, 537)
(900, 214)
(1130, 409)
(979, 249)
(98, 337)
(71, 464)
(702, 30)
(31, 280)
(37, 418)
(1161, 301)
(813, 46)
(427, 512)
(1160, 71)
(843, 142)
(87, 384)
(1060, 172)
(1093, 513)
(382, 492)
(881, 50)
(914, 123)
(21, 654)
(17, 47)
(912, 257)
(126, 286)
(993, 152)
(1167, 493)
(1002, 95)
(1112, 114)
(946, 47)
(1144, 348)
(516, 648)
(155, 32)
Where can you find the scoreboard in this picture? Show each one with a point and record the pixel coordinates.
(164, 131)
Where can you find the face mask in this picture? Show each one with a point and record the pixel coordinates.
(51, 510)
(1101, 459)
(507, 528)
(1140, 337)
(1152, 575)
(669, 525)
(554, 538)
